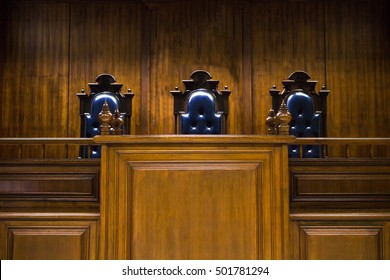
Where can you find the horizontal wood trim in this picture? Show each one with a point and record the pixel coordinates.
(173, 139)
(56, 214)
(346, 215)
(342, 141)
(47, 141)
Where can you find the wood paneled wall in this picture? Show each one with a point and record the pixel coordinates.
(52, 49)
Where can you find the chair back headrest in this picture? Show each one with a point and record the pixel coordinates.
(201, 117)
(305, 121)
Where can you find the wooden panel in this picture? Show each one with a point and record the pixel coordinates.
(220, 224)
(48, 240)
(357, 60)
(287, 36)
(343, 185)
(192, 35)
(168, 197)
(35, 85)
(341, 243)
(3, 40)
(52, 49)
(319, 182)
(46, 186)
(39, 182)
(105, 37)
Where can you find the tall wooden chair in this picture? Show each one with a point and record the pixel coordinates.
(201, 108)
(307, 108)
(105, 90)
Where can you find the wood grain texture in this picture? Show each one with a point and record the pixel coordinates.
(34, 88)
(34, 83)
(212, 212)
(339, 183)
(49, 183)
(49, 239)
(105, 37)
(357, 59)
(341, 242)
(287, 36)
(193, 198)
(52, 49)
(194, 35)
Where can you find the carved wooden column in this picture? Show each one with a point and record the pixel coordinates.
(283, 118)
(105, 117)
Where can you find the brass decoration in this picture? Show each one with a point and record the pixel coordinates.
(271, 122)
(283, 118)
(105, 118)
(117, 123)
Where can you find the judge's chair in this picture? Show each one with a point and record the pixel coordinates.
(105, 90)
(201, 108)
(308, 112)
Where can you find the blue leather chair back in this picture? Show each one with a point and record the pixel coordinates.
(305, 122)
(105, 89)
(201, 117)
(201, 108)
(308, 111)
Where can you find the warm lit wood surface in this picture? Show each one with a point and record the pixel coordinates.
(104, 37)
(338, 207)
(48, 235)
(194, 197)
(286, 36)
(358, 234)
(49, 209)
(52, 49)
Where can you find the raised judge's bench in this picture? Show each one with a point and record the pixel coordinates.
(194, 197)
(210, 197)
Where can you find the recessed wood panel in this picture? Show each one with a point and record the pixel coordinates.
(341, 243)
(340, 180)
(49, 186)
(29, 244)
(22, 182)
(342, 187)
(220, 219)
(48, 237)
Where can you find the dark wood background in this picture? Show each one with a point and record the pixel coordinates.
(52, 49)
